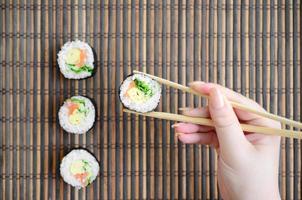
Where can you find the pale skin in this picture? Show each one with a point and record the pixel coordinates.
(247, 162)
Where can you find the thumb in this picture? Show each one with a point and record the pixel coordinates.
(232, 141)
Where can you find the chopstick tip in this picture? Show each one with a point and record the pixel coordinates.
(126, 110)
(137, 72)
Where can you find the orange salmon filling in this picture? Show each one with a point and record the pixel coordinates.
(131, 85)
(82, 59)
(82, 177)
(72, 107)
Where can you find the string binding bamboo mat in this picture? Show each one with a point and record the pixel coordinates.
(251, 47)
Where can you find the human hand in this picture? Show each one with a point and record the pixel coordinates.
(247, 162)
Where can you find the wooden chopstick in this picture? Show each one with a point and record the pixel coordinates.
(234, 104)
(209, 122)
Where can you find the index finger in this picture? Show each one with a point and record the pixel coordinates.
(232, 96)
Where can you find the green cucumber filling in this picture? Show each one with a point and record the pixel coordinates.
(77, 70)
(82, 109)
(76, 100)
(142, 86)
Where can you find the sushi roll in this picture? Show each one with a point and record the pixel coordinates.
(76, 60)
(140, 93)
(79, 168)
(77, 115)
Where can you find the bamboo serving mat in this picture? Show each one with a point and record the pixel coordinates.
(251, 47)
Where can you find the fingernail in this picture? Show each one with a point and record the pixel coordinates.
(195, 83)
(191, 84)
(216, 99)
(185, 109)
(177, 134)
(175, 125)
(176, 137)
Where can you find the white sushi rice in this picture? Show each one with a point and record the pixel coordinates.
(147, 106)
(65, 70)
(78, 154)
(84, 125)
